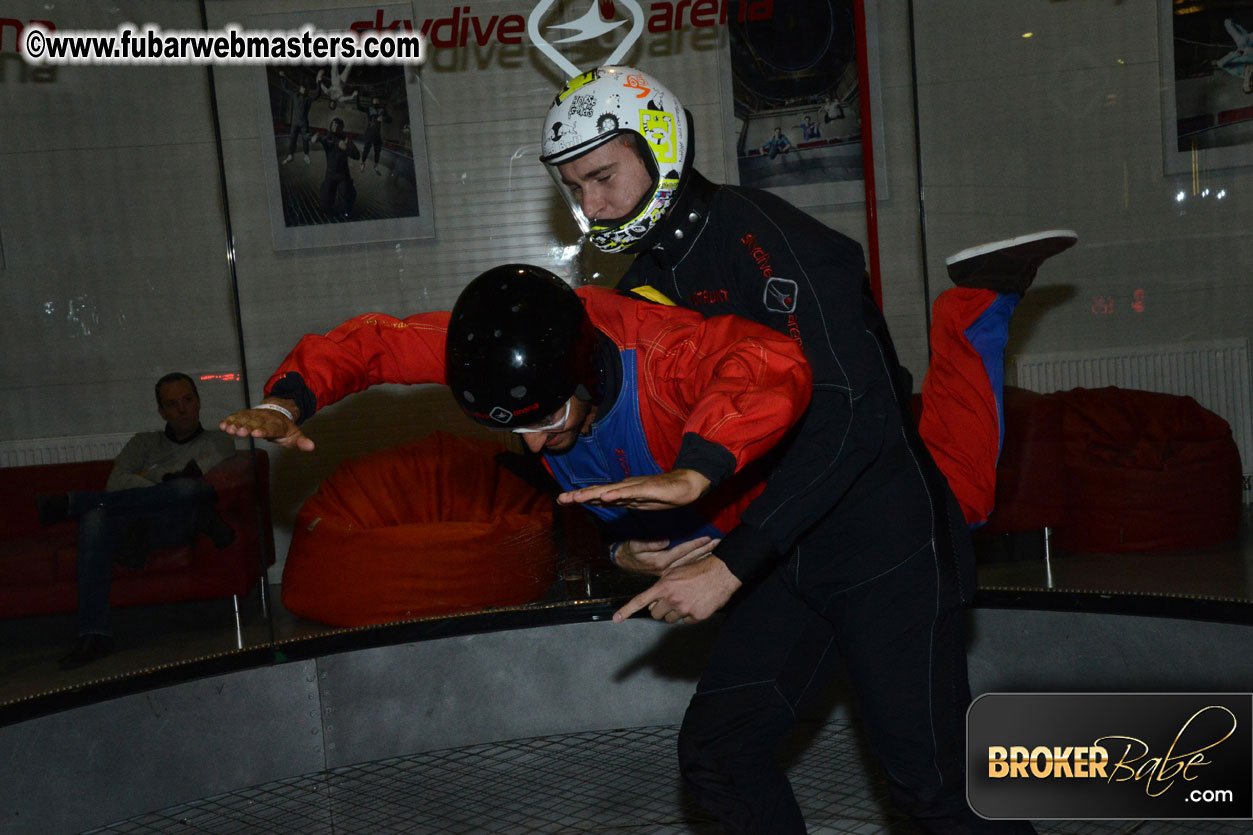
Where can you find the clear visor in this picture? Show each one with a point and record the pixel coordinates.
(554, 421)
(572, 203)
(576, 207)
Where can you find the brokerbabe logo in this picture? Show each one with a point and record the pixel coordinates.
(1110, 756)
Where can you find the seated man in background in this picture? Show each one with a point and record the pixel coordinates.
(156, 497)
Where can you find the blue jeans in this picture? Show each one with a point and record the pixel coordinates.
(148, 518)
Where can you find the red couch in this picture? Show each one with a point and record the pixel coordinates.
(1114, 470)
(38, 565)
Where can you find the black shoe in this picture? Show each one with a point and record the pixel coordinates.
(87, 649)
(53, 508)
(1007, 266)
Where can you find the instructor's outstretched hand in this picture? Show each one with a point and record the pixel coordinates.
(269, 425)
(690, 592)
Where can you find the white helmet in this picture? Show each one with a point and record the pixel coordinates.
(597, 106)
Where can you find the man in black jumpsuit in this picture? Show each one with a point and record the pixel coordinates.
(302, 100)
(375, 115)
(856, 550)
(338, 192)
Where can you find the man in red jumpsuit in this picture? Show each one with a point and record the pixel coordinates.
(606, 386)
(603, 385)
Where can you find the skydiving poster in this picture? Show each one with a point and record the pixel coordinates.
(342, 143)
(1207, 85)
(800, 103)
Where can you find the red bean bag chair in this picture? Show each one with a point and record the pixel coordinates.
(1146, 472)
(431, 527)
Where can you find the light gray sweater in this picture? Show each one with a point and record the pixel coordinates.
(149, 456)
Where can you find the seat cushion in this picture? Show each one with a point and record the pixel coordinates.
(1146, 472)
(431, 527)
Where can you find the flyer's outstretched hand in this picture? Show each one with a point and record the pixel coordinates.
(269, 425)
(649, 492)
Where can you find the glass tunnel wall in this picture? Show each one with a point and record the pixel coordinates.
(159, 218)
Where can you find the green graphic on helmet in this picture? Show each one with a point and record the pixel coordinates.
(608, 102)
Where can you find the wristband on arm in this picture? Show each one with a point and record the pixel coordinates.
(274, 407)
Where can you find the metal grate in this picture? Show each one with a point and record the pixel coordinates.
(609, 783)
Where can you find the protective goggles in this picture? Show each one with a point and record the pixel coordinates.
(552, 422)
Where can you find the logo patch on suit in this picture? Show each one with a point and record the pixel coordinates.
(780, 295)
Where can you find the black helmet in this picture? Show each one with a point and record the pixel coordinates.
(519, 344)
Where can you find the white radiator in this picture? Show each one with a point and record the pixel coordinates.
(37, 451)
(1214, 374)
